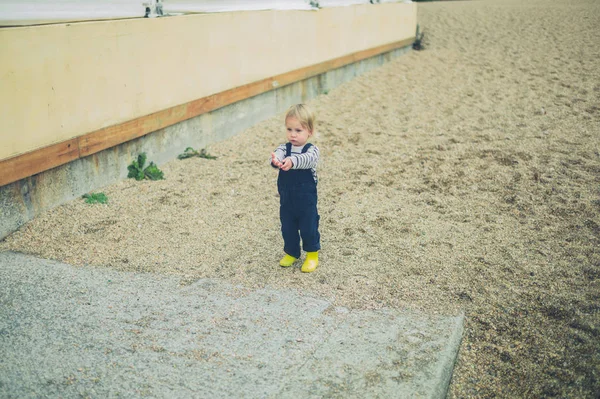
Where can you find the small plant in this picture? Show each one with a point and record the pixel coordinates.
(314, 4)
(138, 172)
(190, 152)
(153, 173)
(419, 44)
(95, 198)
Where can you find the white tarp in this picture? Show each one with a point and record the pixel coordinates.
(190, 6)
(339, 3)
(33, 12)
(184, 6)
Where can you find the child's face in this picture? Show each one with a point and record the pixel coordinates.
(296, 133)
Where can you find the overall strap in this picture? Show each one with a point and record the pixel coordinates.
(288, 149)
(306, 147)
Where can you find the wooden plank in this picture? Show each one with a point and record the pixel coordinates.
(111, 136)
(37, 161)
(361, 55)
(25, 165)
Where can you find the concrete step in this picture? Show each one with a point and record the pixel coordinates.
(70, 332)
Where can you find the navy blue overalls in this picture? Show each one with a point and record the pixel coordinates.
(298, 208)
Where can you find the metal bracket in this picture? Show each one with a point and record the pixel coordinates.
(153, 9)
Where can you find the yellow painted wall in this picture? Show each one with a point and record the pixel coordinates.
(62, 81)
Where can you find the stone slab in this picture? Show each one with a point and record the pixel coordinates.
(69, 332)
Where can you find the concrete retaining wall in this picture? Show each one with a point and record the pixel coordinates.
(23, 200)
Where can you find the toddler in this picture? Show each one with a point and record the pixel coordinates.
(297, 186)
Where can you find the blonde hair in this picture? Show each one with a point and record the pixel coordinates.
(303, 114)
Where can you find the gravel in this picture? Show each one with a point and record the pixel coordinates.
(461, 177)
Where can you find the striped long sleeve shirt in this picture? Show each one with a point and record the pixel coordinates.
(308, 160)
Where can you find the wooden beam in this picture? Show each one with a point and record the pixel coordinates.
(111, 136)
(31, 163)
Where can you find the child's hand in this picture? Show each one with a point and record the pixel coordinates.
(287, 164)
(275, 161)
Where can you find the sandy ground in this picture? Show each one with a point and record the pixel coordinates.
(462, 177)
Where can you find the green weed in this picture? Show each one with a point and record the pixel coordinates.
(95, 198)
(138, 172)
(418, 44)
(190, 152)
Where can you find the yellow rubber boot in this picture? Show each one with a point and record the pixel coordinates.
(311, 262)
(287, 261)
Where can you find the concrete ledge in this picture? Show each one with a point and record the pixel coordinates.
(77, 332)
(23, 200)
